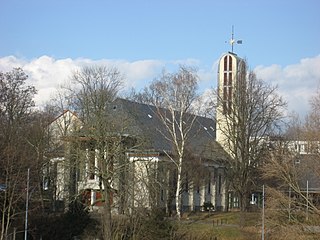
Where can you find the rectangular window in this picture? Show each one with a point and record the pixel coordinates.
(91, 164)
(186, 183)
(45, 183)
(209, 183)
(235, 202)
(229, 107)
(230, 200)
(225, 93)
(230, 94)
(219, 183)
(230, 79)
(225, 79)
(224, 107)
(99, 198)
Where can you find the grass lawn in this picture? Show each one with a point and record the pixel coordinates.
(231, 225)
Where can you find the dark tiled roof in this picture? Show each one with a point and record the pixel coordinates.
(146, 123)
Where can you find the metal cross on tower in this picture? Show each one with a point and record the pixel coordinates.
(233, 41)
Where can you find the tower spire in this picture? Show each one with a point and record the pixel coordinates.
(233, 41)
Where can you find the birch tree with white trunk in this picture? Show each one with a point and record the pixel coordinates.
(174, 95)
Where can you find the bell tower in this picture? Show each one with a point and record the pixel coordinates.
(229, 69)
(230, 72)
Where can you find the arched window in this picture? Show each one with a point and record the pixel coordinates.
(227, 84)
(225, 64)
(230, 63)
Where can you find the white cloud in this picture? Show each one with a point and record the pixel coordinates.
(47, 73)
(208, 77)
(9, 62)
(187, 62)
(138, 72)
(296, 83)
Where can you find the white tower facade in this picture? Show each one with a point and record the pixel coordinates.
(229, 72)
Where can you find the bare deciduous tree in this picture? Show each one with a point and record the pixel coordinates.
(292, 172)
(251, 116)
(311, 130)
(173, 95)
(16, 102)
(290, 206)
(95, 88)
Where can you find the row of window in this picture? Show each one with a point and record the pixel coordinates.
(208, 184)
(227, 85)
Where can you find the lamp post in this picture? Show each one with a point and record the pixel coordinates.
(307, 216)
(262, 227)
(27, 206)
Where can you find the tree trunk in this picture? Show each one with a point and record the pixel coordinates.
(243, 208)
(107, 219)
(243, 201)
(178, 210)
(168, 193)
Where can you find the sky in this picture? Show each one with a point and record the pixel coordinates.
(52, 39)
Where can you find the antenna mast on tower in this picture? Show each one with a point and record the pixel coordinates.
(233, 41)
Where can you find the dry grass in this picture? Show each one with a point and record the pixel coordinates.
(237, 226)
(220, 226)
